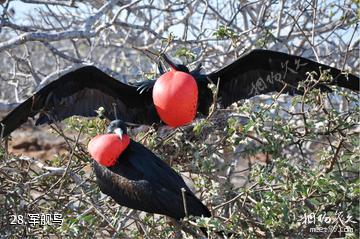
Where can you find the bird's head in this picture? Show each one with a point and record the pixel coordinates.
(107, 148)
(118, 127)
(173, 65)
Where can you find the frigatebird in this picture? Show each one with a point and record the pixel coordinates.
(138, 179)
(84, 90)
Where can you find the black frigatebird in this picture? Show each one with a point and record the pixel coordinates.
(136, 178)
(84, 90)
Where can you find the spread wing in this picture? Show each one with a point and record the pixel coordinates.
(264, 71)
(142, 181)
(81, 92)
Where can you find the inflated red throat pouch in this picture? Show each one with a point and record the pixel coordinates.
(175, 96)
(106, 148)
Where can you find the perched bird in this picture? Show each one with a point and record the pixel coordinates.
(84, 90)
(136, 178)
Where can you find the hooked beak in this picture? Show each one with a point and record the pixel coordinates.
(168, 61)
(119, 132)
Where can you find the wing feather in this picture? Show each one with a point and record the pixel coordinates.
(264, 71)
(81, 92)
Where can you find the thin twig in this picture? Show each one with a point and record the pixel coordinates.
(183, 191)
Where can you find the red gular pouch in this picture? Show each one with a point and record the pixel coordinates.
(175, 96)
(106, 148)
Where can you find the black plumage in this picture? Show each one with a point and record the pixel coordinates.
(264, 71)
(82, 91)
(142, 181)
